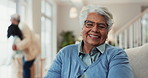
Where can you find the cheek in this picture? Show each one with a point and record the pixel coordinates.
(84, 32)
(104, 35)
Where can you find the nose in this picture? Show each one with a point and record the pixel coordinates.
(94, 28)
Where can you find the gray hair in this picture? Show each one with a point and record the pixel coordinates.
(97, 9)
(16, 17)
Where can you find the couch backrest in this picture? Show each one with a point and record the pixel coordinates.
(138, 58)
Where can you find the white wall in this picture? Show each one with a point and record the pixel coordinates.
(122, 14)
(36, 7)
(64, 22)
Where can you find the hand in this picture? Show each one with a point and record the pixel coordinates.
(14, 47)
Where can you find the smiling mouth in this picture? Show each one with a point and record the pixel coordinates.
(94, 36)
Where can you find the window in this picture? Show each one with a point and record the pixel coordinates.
(145, 28)
(48, 34)
(7, 8)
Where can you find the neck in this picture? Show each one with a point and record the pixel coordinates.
(87, 48)
(15, 24)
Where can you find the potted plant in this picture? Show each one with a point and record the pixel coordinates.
(67, 38)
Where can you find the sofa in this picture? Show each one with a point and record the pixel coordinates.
(138, 58)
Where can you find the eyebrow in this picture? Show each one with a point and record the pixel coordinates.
(95, 22)
(87, 21)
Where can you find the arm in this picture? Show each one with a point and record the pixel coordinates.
(55, 69)
(119, 66)
(23, 44)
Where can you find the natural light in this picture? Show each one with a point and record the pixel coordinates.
(7, 9)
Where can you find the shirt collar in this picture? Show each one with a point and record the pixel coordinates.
(101, 48)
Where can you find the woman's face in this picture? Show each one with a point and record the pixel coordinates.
(95, 30)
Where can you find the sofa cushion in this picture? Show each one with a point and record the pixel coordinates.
(138, 58)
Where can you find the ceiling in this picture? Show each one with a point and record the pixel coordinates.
(115, 1)
(85, 2)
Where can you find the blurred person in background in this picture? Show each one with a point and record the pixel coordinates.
(92, 57)
(25, 42)
(14, 35)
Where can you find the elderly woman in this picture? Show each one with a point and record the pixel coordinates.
(92, 57)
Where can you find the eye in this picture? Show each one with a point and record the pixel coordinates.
(89, 24)
(102, 25)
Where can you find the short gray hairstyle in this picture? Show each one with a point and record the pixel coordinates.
(16, 17)
(97, 9)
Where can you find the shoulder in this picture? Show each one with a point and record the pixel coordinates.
(111, 48)
(10, 27)
(69, 49)
(23, 26)
(112, 51)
